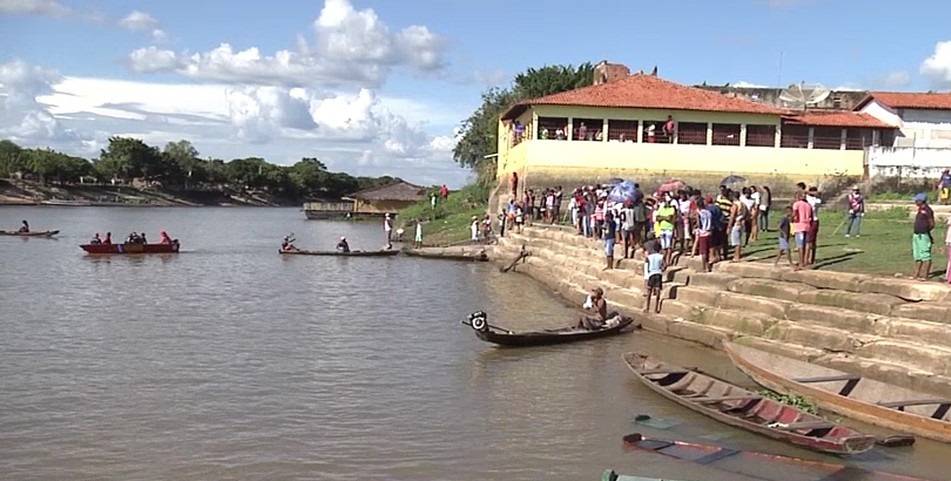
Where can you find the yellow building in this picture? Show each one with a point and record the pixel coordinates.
(646, 128)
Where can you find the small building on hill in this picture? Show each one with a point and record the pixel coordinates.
(386, 199)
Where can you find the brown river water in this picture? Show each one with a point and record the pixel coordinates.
(228, 361)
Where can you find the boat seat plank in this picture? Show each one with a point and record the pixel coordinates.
(913, 402)
(662, 371)
(807, 425)
(840, 377)
(711, 400)
(716, 456)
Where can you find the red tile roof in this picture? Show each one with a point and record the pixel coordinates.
(648, 92)
(836, 118)
(909, 100)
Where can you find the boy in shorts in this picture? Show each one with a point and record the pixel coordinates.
(785, 225)
(653, 277)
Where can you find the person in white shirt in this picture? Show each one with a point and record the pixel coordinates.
(388, 229)
(756, 199)
(474, 229)
(418, 241)
(653, 277)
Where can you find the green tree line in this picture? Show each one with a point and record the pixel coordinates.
(479, 136)
(179, 166)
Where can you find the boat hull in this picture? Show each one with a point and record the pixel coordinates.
(384, 253)
(131, 248)
(445, 254)
(740, 408)
(827, 396)
(550, 337)
(39, 233)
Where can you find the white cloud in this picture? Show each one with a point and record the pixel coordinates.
(153, 59)
(899, 78)
(23, 117)
(937, 67)
(50, 8)
(349, 46)
(138, 21)
(747, 85)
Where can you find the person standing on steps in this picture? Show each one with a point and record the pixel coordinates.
(765, 204)
(653, 277)
(704, 233)
(784, 234)
(610, 237)
(856, 212)
(737, 225)
(921, 241)
(812, 197)
(514, 184)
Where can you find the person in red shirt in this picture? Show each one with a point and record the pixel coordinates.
(444, 192)
(514, 183)
(670, 127)
(801, 224)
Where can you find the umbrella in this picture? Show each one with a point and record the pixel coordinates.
(622, 192)
(671, 185)
(732, 181)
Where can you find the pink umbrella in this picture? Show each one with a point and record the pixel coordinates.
(671, 185)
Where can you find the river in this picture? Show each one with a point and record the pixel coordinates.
(228, 361)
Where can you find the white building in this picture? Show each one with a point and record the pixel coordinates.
(923, 119)
(922, 144)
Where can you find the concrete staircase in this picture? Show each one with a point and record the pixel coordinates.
(895, 330)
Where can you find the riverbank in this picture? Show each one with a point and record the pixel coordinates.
(448, 223)
(22, 192)
(895, 330)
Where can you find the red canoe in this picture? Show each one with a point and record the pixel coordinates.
(131, 248)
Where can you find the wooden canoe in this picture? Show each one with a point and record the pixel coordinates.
(452, 254)
(847, 394)
(744, 409)
(381, 253)
(131, 248)
(33, 233)
(768, 467)
(504, 337)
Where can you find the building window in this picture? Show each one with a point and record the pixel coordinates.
(888, 138)
(726, 134)
(694, 133)
(654, 132)
(858, 139)
(827, 138)
(552, 128)
(760, 135)
(795, 136)
(587, 129)
(622, 130)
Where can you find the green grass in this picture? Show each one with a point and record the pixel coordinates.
(884, 246)
(906, 197)
(449, 222)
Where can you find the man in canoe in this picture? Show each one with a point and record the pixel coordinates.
(108, 239)
(95, 239)
(287, 245)
(25, 228)
(164, 238)
(343, 246)
(599, 305)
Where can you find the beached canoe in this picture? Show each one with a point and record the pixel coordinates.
(449, 253)
(382, 253)
(744, 409)
(131, 248)
(35, 233)
(504, 337)
(768, 467)
(848, 394)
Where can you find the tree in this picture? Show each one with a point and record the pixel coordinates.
(480, 132)
(128, 158)
(184, 156)
(10, 158)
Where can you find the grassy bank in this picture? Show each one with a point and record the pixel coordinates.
(449, 222)
(884, 246)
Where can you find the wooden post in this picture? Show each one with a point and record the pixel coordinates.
(709, 133)
(640, 131)
(742, 135)
(812, 137)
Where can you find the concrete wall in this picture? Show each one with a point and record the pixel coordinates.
(908, 162)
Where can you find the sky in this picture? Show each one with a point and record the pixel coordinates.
(381, 87)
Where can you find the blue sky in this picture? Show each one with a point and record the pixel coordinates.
(378, 87)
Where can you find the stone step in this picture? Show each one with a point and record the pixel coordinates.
(905, 289)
